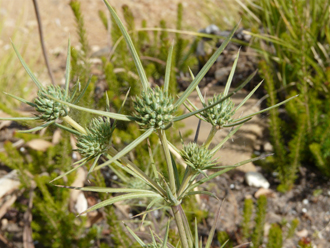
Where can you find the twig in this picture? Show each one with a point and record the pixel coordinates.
(35, 3)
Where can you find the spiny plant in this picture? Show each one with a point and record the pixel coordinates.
(295, 52)
(155, 111)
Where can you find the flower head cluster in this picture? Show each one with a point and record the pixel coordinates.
(48, 108)
(98, 138)
(154, 109)
(221, 113)
(197, 157)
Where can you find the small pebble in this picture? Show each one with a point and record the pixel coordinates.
(305, 201)
(114, 177)
(256, 179)
(232, 186)
(304, 210)
(22, 149)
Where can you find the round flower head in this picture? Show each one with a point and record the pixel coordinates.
(98, 138)
(154, 109)
(48, 108)
(197, 157)
(221, 113)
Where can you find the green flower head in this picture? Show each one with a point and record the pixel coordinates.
(98, 138)
(197, 157)
(221, 113)
(154, 109)
(48, 108)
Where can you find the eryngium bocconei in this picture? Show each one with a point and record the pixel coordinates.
(48, 108)
(197, 157)
(154, 109)
(221, 113)
(98, 138)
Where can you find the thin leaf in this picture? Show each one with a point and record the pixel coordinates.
(67, 69)
(232, 124)
(181, 117)
(176, 173)
(196, 233)
(166, 234)
(37, 128)
(128, 148)
(168, 69)
(231, 75)
(93, 165)
(190, 110)
(199, 93)
(131, 47)
(21, 99)
(264, 110)
(247, 97)
(202, 193)
(19, 119)
(135, 236)
(83, 91)
(106, 189)
(67, 129)
(119, 198)
(205, 69)
(96, 112)
(27, 69)
(211, 233)
(83, 162)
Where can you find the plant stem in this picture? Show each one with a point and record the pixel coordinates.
(209, 139)
(162, 137)
(180, 225)
(74, 124)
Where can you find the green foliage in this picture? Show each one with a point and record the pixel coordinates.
(295, 51)
(223, 237)
(275, 237)
(293, 226)
(258, 232)
(247, 213)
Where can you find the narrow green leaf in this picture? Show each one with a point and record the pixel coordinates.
(93, 165)
(96, 112)
(264, 110)
(128, 148)
(211, 233)
(119, 198)
(137, 61)
(83, 162)
(67, 69)
(19, 119)
(205, 69)
(37, 128)
(148, 211)
(67, 129)
(83, 91)
(106, 189)
(231, 75)
(247, 97)
(196, 233)
(166, 234)
(21, 99)
(176, 173)
(168, 69)
(202, 193)
(27, 69)
(201, 98)
(135, 236)
(232, 124)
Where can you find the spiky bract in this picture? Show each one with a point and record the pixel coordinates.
(48, 108)
(98, 138)
(197, 157)
(154, 109)
(221, 113)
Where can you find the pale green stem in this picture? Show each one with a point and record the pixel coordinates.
(74, 124)
(112, 151)
(162, 137)
(209, 139)
(179, 222)
(185, 181)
